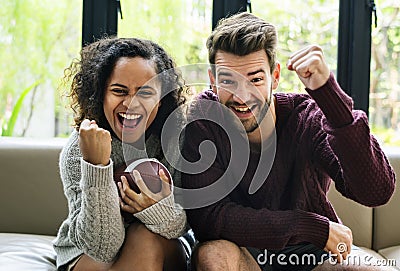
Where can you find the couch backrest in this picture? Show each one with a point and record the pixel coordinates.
(31, 193)
(372, 227)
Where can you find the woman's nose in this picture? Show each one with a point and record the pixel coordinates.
(130, 101)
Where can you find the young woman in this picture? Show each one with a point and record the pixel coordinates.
(122, 92)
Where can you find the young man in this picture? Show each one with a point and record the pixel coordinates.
(274, 158)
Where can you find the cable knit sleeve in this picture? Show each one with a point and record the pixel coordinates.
(95, 222)
(166, 218)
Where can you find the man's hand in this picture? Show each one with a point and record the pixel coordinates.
(310, 66)
(95, 143)
(339, 241)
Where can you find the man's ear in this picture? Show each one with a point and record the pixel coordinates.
(212, 81)
(276, 75)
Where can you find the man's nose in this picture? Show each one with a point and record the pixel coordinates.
(242, 93)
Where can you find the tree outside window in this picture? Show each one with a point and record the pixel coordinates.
(38, 40)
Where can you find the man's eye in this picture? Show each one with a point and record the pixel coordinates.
(256, 80)
(226, 82)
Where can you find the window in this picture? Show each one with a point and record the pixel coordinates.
(298, 25)
(38, 39)
(384, 109)
(181, 27)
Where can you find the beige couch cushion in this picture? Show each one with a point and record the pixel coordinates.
(26, 252)
(392, 254)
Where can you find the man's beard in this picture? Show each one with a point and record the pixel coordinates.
(252, 124)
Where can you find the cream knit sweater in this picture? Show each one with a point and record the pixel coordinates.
(94, 225)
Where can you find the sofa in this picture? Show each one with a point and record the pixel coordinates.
(32, 203)
(32, 207)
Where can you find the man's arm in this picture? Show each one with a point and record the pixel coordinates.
(365, 174)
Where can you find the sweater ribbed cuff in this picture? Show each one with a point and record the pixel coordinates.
(95, 175)
(158, 213)
(335, 104)
(313, 227)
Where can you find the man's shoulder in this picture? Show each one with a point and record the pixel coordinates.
(293, 99)
(295, 109)
(207, 94)
(289, 102)
(205, 105)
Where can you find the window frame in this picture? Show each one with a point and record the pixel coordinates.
(354, 37)
(354, 50)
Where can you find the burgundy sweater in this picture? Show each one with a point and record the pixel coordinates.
(319, 138)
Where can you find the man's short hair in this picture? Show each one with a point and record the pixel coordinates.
(242, 34)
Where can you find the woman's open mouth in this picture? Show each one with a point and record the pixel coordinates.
(129, 120)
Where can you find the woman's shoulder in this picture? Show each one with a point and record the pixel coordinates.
(70, 150)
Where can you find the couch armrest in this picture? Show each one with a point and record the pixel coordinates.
(387, 217)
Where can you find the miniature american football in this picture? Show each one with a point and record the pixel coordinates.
(148, 169)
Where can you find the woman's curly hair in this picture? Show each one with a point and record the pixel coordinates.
(90, 73)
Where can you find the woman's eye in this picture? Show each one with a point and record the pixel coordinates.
(145, 92)
(119, 91)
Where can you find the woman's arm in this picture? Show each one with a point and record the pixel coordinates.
(96, 225)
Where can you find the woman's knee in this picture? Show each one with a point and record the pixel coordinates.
(137, 234)
(86, 263)
(151, 249)
(143, 241)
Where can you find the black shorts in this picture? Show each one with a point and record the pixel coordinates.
(188, 242)
(303, 257)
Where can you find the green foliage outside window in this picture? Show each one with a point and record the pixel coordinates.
(384, 110)
(38, 40)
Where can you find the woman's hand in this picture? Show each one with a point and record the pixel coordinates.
(95, 143)
(133, 202)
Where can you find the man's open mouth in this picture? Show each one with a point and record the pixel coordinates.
(129, 120)
(242, 110)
